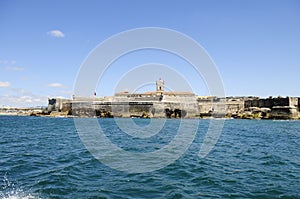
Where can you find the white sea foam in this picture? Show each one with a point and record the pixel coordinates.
(20, 197)
(10, 191)
(18, 194)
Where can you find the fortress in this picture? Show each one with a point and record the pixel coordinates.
(161, 104)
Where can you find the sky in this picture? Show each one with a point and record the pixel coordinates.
(255, 46)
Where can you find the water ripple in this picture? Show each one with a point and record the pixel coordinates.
(44, 158)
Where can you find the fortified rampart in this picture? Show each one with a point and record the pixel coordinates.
(271, 102)
(276, 108)
(176, 104)
(186, 106)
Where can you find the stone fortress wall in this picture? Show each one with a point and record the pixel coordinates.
(161, 104)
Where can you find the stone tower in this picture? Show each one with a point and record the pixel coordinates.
(160, 87)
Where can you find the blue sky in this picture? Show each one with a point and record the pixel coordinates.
(255, 44)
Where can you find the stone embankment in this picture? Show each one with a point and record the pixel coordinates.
(182, 105)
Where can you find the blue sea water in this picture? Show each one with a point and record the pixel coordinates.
(45, 158)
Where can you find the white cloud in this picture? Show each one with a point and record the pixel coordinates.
(55, 85)
(56, 33)
(3, 62)
(14, 68)
(7, 62)
(20, 97)
(4, 84)
(23, 101)
(16, 97)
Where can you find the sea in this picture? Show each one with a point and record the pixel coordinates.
(42, 157)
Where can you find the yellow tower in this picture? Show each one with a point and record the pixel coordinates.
(160, 87)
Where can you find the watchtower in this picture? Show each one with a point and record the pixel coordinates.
(160, 87)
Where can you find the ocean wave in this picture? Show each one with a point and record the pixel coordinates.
(10, 191)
